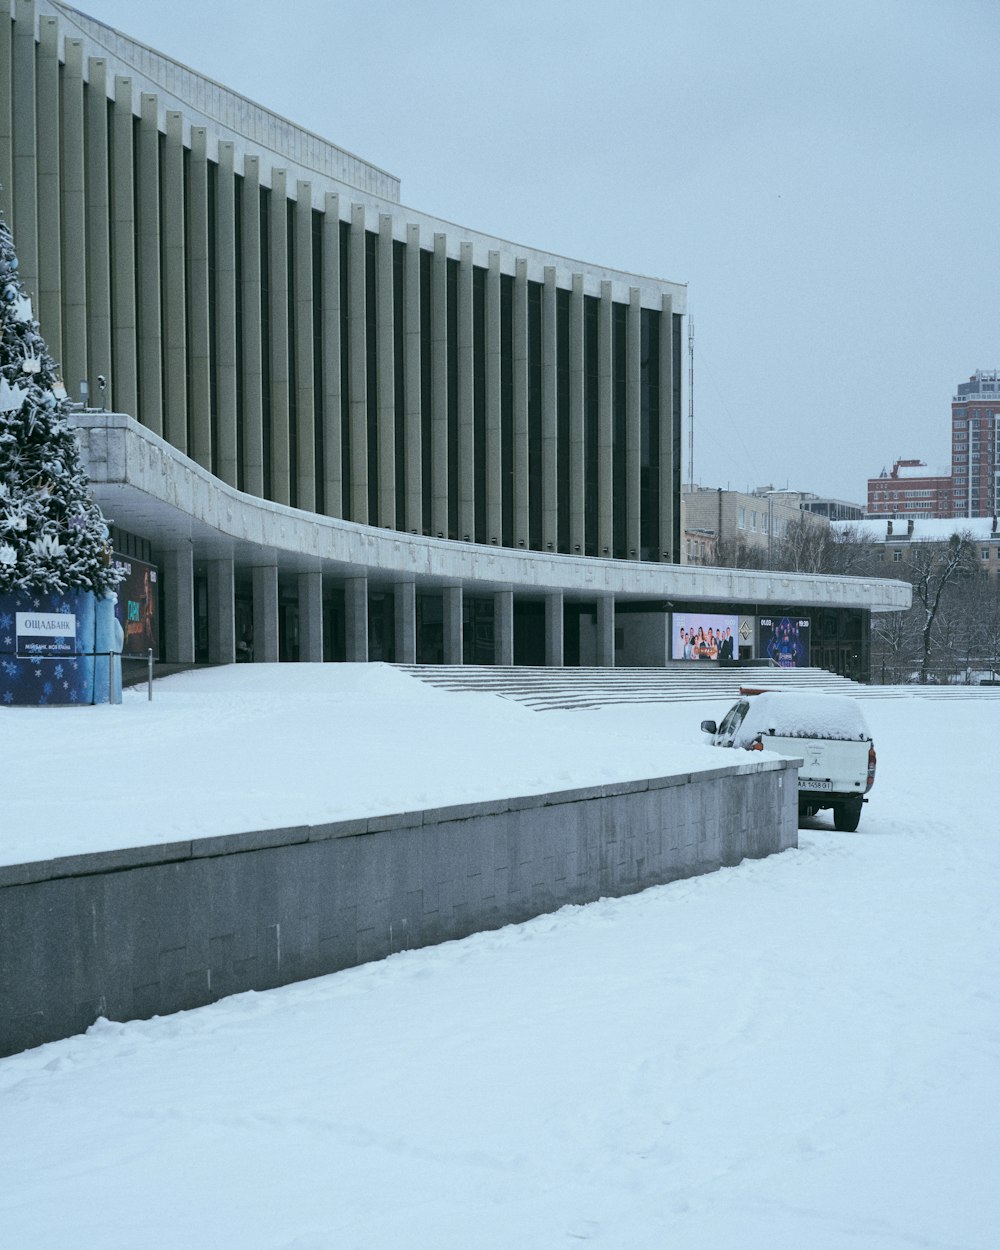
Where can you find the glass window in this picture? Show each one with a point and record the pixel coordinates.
(743, 518)
(753, 520)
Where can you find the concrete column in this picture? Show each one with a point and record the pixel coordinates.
(633, 424)
(177, 570)
(550, 475)
(669, 471)
(222, 612)
(503, 627)
(226, 362)
(25, 222)
(281, 468)
(6, 121)
(311, 618)
(606, 631)
(265, 614)
(150, 328)
(452, 625)
(577, 426)
(385, 347)
(358, 363)
(520, 355)
(124, 329)
(305, 384)
(333, 489)
(48, 306)
(494, 455)
(356, 622)
(97, 310)
(405, 600)
(554, 644)
(251, 363)
(175, 356)
(466, 400)
(74, 224)
(605, 426)
(199, 341)
(439, 387)
(413, 373)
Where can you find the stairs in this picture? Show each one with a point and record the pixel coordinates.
(549, 689)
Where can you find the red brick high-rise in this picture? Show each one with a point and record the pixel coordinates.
(975, 445)
(973, 487)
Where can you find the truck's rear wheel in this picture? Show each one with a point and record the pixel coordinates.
(847, 814)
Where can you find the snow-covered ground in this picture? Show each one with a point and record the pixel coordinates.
(266, 746)
(801, 1053)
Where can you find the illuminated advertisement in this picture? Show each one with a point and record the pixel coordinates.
(136, 609)
(704, 636)
(785, 639)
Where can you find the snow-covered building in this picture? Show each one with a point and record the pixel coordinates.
(330, 426)
(896, 536)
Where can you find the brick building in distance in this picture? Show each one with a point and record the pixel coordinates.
(972, 488)
(906, 492)
(975, 445)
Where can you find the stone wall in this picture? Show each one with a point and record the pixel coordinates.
(147, 931)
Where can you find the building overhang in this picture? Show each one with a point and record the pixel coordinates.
(149, 488)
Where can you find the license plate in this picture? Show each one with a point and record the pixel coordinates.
(806, 784)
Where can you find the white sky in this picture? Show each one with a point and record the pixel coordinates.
(824, 176)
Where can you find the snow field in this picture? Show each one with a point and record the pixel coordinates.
(802, 1051)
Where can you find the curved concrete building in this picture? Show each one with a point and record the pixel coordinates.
(337, 427)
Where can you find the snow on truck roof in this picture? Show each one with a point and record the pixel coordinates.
(802, 714)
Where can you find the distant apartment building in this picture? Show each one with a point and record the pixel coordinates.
(712, 517)
(908, 491)
(975, 445)
(972, 488)
(896, 536)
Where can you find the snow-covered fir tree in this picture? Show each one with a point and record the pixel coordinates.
(52, 534)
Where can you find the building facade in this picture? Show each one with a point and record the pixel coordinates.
(907, 492)
(715, 518)
(975, 445)
(335, 427)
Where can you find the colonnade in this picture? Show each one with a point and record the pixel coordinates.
(177, 570)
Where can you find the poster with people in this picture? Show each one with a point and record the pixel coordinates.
(704, 636)
(785, 639)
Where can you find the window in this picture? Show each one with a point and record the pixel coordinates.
(753, 520)
(984, 553)
(743, 518)
(897, 555)
(763, 521)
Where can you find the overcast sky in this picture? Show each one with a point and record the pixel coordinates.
(825, 177)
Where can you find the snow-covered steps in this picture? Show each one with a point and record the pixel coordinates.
(547, 689)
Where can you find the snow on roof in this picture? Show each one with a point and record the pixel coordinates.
(802, 714)
(933, 530)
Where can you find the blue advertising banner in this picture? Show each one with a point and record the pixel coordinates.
(46, 646)
(785, 639)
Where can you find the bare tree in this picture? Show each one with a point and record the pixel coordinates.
(895, 643)
(932, 568)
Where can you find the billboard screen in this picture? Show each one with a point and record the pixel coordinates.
(704, 636)
(136, 609)
(785, 639)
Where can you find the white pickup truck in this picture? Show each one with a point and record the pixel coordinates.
(826, 731)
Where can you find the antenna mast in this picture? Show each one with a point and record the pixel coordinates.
(691, 405)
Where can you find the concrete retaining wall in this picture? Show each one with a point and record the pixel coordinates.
(152, 930)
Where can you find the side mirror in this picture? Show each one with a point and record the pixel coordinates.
(709, 727)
